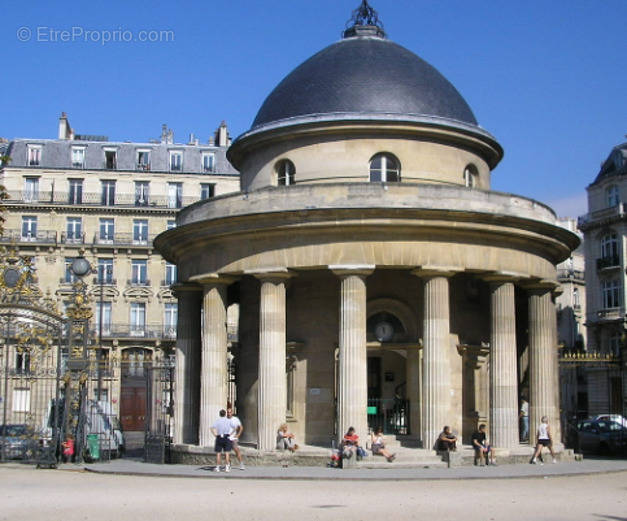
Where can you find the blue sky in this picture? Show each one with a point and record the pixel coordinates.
(547, 78)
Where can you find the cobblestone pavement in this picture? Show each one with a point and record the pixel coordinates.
(51, 495)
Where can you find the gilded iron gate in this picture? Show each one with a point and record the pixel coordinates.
(31, 335)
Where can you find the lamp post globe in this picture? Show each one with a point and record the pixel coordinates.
(80, 266)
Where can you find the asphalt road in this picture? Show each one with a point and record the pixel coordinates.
(57, 495)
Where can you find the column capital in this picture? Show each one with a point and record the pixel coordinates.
(429, 272)
(271, 274)
(346, 270)
(179, 289)
(540, 285)
(213, 279)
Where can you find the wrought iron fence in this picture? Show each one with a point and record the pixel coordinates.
(390, 414)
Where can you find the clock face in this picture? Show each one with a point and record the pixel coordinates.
(384, 331)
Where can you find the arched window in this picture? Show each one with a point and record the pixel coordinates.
(471, 174)
(612, 195)
(385, 168)
(285, 172)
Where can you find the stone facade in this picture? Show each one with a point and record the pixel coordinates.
(108, 200)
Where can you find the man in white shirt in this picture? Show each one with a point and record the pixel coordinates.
(237, 432)
(222, 430)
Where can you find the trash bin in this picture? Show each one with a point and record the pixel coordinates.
(93, 446)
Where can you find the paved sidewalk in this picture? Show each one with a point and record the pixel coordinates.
(139, 468)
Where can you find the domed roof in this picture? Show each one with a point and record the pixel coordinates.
(364, 74)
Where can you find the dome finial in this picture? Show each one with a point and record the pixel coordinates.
(364, 22)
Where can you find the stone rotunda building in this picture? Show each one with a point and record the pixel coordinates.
(378, 276)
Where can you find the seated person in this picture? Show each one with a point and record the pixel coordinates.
(481, 446)
(378, 445)
(285, 440)
(350, 444)
(447, 441)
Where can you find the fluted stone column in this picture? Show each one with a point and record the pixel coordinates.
(503, 365)
(187, 372)
(352, 400)
(543, 380)
(436, 384)
(272, 401)
(213, 358)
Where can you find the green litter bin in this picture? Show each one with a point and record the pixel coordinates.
(93, 446)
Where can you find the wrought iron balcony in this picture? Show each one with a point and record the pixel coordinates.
(137, 282)
(72, 238)
(124, 239)
(123, 200)
(147, 331)
(40, 236)
(610, 261)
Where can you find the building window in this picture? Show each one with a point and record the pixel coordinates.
(111, 159)
(138, 272)
(142, 194)
(76, 191)
(471, 174)
(138, 318)
(107, 193)
(207, 190)
(576, 299)
(69, 278)
(170, 224)
(103, 309)
(176, 161)
(613, 344)
(21, 400)
(170, 274)
(609, 245)
(384, 168)
(285, 172)
(78, 157)
(34, 155)
(143, 160)
(208, 162)
(175, 195)
(613, 196)
(29, 227)
(611, 293)
(31, 189)
(107, 230)
(105, 271)
(140, 231)
(170, 319)
(74, 230)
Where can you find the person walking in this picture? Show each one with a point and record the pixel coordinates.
(544, 440)
(237, 432)
(222, 430)
(524, 419)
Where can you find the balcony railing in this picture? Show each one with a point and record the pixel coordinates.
(148, 331)
(565, 273)
(133, 282)
(97, 199)
(53, 237)
(611, 261)
(599, 215)
(41, 236)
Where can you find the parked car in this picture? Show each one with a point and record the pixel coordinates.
(16, 440)
(612, 417)
(602, 437)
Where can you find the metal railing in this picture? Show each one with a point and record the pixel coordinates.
(100, 199)
(53, 237)
(41, 236)
(137, 282)
(146, 331)
(390, 414)
(610, 261)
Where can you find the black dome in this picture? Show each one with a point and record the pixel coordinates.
(364, 75)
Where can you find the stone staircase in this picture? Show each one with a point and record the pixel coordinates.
(409, 454)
